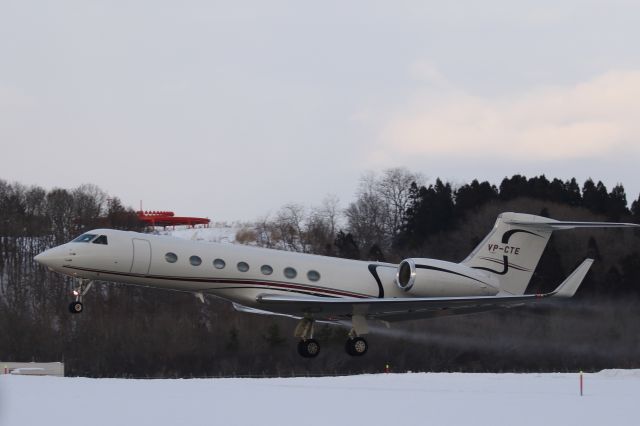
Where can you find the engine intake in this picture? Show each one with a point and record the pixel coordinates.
(406, 275)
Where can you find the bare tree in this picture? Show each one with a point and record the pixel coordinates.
(322, 225)
(377, 215)
(90, 203)
(246, 235)
(290, 223)
(264, 232)
(296, 228)
(366, 218)
(393, 187)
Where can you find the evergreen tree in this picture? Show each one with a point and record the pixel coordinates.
(430, 211)
(513, 187)
(558, 191)
(595, 197)
(538, 187)
(473, 195)
(635, 211)
(617, 203)
(573, 196)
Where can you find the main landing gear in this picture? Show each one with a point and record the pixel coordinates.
(308, 347)
(356, 346)
(76, 306)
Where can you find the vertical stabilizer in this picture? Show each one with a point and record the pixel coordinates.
(512, 250)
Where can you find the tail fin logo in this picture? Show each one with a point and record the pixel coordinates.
(507, 235)
(506, 249)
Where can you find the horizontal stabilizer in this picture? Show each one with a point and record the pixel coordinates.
(569, 286)
(556, 225)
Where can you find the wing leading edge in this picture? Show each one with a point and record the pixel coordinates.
(398, 309)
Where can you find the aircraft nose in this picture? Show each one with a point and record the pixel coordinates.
(44, 258)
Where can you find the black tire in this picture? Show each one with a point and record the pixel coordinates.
(309, 348)
(301, 349)
(75, 307)
(356, 346)
(347, 347)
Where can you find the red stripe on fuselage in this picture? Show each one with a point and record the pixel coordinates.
(277, 284)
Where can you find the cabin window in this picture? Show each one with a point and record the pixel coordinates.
(195, 260)
(84, 238)
(266, 270)
(219, 264)
(102, 239)
(171, 257)
(289, 272)
(243, 266)
(313, 275)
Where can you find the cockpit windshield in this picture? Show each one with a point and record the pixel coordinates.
(102, 239)
(84, 238)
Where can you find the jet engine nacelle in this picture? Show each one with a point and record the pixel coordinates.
(434, 278)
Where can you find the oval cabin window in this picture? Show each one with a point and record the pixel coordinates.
(195, 260)
(266, 270)
(171, 257)
(289, 272)
(243, 266)
(219, 264)
(313, 275)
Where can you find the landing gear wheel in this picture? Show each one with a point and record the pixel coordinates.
(79, 292)
(309, 348)
(356, 346)
(75, 307)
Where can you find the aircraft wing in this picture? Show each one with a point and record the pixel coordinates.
(406, 308)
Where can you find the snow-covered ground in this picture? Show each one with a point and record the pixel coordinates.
(611, 398)
(215, 233)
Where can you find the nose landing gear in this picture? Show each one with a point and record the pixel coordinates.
(76, 306)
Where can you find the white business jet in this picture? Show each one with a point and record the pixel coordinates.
(317, 288)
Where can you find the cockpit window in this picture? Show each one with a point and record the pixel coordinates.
(84, 238)
(102, 239)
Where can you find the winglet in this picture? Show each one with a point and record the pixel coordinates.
(570, 285)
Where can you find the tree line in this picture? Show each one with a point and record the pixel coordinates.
(139, 332)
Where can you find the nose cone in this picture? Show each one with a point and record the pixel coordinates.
(45, 258)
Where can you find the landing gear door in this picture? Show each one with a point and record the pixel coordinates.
(141, 257)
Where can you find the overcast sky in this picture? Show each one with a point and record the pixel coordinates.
(230, 110)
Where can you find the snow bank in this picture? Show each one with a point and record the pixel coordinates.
(216, 233)
(387, 399)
